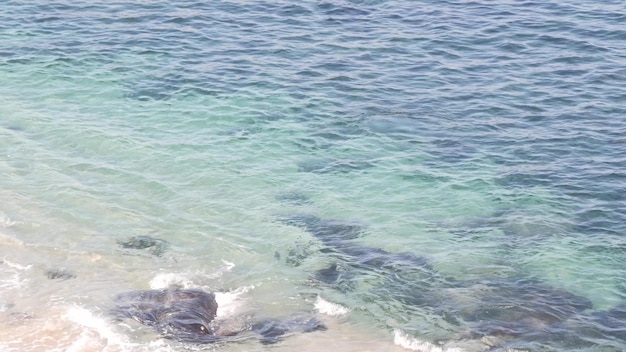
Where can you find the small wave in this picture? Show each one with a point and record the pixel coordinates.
(332, 309)
(165, 280)
(11, 275)
(410, 343)
(97, 334)
(6, 222)
(94, 325)
(230, 302)
(15, 265)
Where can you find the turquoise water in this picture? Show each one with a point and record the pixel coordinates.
(486, 139)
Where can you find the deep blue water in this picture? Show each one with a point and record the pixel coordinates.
(451, 170)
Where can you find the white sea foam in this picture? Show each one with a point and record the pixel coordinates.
(230, 302)
(165, 280)
(96, 331)
(15, 265)
(185, 280)
(11, 276)
(97, 334)
(410, 343)
(333, 309)
(5, 221)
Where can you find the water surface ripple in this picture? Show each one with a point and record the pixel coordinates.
(451, 171)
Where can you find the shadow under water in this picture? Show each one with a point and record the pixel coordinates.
(402, 276)
(501, 312)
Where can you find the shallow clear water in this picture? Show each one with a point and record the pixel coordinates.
(478, 148)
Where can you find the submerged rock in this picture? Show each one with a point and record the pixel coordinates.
(59, 274)
(337, 276)
(519, 306)
(332, 233)
(150, 245)
(517, 313)
(512, 312)
(338, 238)
(189, 315)
(401, 276)
(295, 256)
(180, 314)
(272, 330)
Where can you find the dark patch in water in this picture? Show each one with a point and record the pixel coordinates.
(519, 300)
(272, 330)
(405, 276)
(502, 312)
(59, 274)
(295, 256)
(184, 315)
(329, 275)
(330, 232)
(188, 315)
(151, 245)
(518, 312)
(337, 276)
(335, 233)
(301, 220)
(338, 237)
(15, 128)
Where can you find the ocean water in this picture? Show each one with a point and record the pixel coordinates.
(420, 175)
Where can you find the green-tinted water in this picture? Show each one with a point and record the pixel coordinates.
(477, 148)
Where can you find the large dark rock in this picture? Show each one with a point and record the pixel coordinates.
(185, 315)
(188, 315)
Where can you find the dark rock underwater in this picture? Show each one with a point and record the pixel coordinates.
(144, 244)
(516, 312)
(189, 315)
(504, 313)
